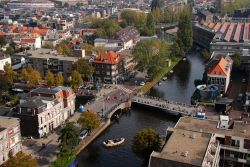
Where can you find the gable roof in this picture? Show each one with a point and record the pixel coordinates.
(220, 68)
(108, 58)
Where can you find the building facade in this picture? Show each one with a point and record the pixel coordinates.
(109, 68)
(46, 59)
(46, 109)
(219, 72)
(10, 138)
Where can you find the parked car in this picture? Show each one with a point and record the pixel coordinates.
(83, 134)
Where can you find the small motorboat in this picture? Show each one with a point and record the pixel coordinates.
(184, 59)
(114, 142)
(159, 83)
(171, 71)
(164, 78)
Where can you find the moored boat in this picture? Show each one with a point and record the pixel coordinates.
(114, 142)
(164, 78)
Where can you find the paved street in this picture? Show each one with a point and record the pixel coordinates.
(48, 154)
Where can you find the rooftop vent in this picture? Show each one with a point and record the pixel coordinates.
(193, 136)
(184, 154)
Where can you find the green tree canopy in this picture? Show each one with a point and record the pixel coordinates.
(236, 60)
(185, 32)
(84, 68)
(150, 25)
(145, 142)
(155, 4)
(206, 54)
(20, 159)
(68, 139)
(49, 78)
(105, 27)
(2, 41)
(151, 55)
(76, 79)
(89, 120)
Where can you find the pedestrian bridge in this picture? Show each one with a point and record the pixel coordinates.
(166, 105)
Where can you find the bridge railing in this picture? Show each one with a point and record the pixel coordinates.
(164, 100)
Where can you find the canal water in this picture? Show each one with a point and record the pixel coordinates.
(179, 87)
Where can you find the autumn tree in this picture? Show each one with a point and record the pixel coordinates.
(36, 78)
(145, 141)
(84, 68)
(99, 50)
(11, 75)
(206, 54)
(155, 4)
(21, 159)
(24, 74)
(59, 79)
(89, 120)
(76, 79)
(49, 78)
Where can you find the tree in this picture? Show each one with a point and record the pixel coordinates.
(76, 79)
(2, 41)
(4, 86)
(150, 25)
(185, 32)
(10, 50)
(20, 159)
(59, 79)
(84, 68)
(155, 4)
(99, 50)
(158, 15)
(206, 54)
(149, 51)
(176, 50)
(11, 75)
(89, 120)
(236, 60)
(49, 78)
(68, 139)
(34, 77)
(24, 74)
(145, 142)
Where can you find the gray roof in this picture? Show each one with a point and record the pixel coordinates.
(45, 90)
(37, 102)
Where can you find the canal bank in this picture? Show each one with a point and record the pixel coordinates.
(178, 88)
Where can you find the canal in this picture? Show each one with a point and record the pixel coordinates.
(178, 87)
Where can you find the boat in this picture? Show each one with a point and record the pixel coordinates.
(184, 59)
(159, 83)
(164, 78)
(171, 71)
(114, 142)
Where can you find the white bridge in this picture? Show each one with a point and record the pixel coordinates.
(166, 105)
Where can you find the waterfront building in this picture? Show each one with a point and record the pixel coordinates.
(10, 138)
(219, 71)
(45, 109)
(108, 67)
(210, 143)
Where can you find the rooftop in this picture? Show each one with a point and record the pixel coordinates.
(45, 91)
(239, 129)
(185, 147)
(108, 58)
(49, 54)
(38, 102)
(8, 122)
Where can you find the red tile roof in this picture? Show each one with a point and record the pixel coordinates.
(219, 68)
(27, 41)
(41, 31)
(108, 58)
